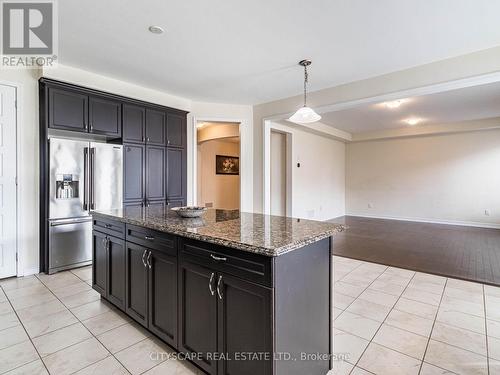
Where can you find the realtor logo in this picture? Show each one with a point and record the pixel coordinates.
(28, 33)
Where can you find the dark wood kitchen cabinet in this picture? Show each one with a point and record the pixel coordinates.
(136, 300)
(105, 116)
(134, 124)
(108, 267)
(133, 173)
(162, 306)
(198, 313)
(176, 130)
(155, 173)
(176, 174)
(243, 321)
(67, 109)
(156, 127)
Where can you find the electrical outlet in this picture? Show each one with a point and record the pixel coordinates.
(310, 213)
(370, 205)
(487, 212)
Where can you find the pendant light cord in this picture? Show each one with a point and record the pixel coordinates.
(305, 85)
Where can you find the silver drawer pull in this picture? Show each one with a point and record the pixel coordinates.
(108, 225)
(218, 259)
(210, 287)
(148, 261)
(218, 287)
(149, 238)
(143, 255)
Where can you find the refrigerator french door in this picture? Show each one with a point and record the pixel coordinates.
(84, 176)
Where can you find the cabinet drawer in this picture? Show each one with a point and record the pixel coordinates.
(152, 239)
(248, 266)
(111, 227)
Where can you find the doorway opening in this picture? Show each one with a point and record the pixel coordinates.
(279, 196)
(218, 164)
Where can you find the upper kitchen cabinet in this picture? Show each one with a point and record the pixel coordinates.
(105, 116)
(176, 130)
(68, 110)
(155, 128)
(134, 123)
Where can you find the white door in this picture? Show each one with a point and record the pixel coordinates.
(8, 198)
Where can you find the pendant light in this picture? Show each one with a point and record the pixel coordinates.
(305, 115)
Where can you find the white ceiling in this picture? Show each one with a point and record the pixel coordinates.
(246, 52)
(472, 103)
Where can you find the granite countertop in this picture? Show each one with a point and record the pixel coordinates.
(257, 233)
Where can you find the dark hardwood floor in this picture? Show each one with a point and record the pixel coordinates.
(467, 253)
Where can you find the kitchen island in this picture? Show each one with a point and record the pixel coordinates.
(235, 293)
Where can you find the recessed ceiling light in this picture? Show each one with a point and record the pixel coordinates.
(156, 29)
(413, 121)
(394, 104)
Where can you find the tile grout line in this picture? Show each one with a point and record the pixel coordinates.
(378, 329)
(92, 334)
(432, 328)
(29, 338)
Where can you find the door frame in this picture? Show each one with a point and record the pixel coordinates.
(20, 256)
(270, 126)
(246, 160)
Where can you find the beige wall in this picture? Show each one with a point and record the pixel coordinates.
(450, 178)
(221, 190)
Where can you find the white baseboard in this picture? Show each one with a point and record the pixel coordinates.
(430, 221)
(30, 271)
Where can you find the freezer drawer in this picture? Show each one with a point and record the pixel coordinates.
(70, 243)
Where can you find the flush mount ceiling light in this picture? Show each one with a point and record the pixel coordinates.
(413, 121)
(156, 29)
(305, 115)
(394, 104)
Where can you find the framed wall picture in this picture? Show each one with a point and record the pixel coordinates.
(227, 164)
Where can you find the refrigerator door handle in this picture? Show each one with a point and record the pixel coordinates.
(85, 178)
(92, 182)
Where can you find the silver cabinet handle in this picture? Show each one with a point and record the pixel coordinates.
(149, 260)
(218, 287)
(149, 238)
(219, 259)
(108, 225)
(210, 287)
(143, 255)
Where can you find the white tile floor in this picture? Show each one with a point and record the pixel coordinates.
(395, 321)
(387, 321)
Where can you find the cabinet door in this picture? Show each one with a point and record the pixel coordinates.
(155, 128)
(116, 272)
(176, 173)
(176, 130)
(68, 110)
(134, 128)
(136, 296)
(99, 263)
(155, 172)
(176, 203)
(163, 296)
(105, 117)
(244, 321)
(134, 204)
(133, 172)
(198, 314)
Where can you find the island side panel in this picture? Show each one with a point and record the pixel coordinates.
(302, 282)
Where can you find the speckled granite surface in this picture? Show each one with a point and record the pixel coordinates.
(262, 234)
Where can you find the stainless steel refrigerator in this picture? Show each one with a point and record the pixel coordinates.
(84, 176)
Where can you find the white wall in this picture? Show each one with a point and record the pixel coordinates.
(27, 134)
(318, 185)
(461, 67)
(450, 178)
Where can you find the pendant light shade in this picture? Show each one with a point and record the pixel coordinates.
(305, 115)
